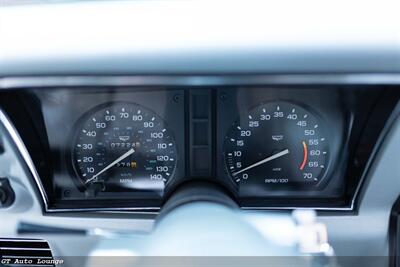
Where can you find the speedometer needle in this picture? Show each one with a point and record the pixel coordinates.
(128, 153)
(275, 156)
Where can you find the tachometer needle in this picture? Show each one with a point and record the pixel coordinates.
(128, 153)
(275, 156)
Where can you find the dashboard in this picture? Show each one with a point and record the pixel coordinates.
(267, 146)
(112, 111)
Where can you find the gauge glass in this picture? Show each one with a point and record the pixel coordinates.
(275, 145)
(123, 146)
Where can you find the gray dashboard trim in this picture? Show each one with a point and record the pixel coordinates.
(23, 153)
(184, 80)
(153, 37)
(200, 80)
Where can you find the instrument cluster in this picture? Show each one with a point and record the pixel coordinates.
(130, 148)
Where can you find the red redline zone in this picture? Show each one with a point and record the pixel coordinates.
(303, 164)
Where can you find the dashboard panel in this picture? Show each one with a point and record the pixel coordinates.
(92, 129)
(267, 146)
(307, 128)
(342, 73)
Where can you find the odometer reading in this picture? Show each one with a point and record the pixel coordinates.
(277, 144)
(124, 145)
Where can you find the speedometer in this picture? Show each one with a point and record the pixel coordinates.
(277, 144)
(123, 145)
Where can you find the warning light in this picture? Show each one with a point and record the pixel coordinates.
(133, 164)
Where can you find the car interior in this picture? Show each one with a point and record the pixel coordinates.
(199, 133)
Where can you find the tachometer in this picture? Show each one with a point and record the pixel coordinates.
(123, 145)
(277, 144)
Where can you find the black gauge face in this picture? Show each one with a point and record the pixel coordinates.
(277, 145)
(124, 146)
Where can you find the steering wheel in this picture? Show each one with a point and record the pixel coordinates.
(200, 222)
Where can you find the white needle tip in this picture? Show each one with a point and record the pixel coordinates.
(128, 153)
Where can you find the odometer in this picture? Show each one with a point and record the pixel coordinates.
(123, 146)
(276, 145)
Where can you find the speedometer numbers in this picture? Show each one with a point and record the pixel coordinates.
(123, 145)
(275, 145)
